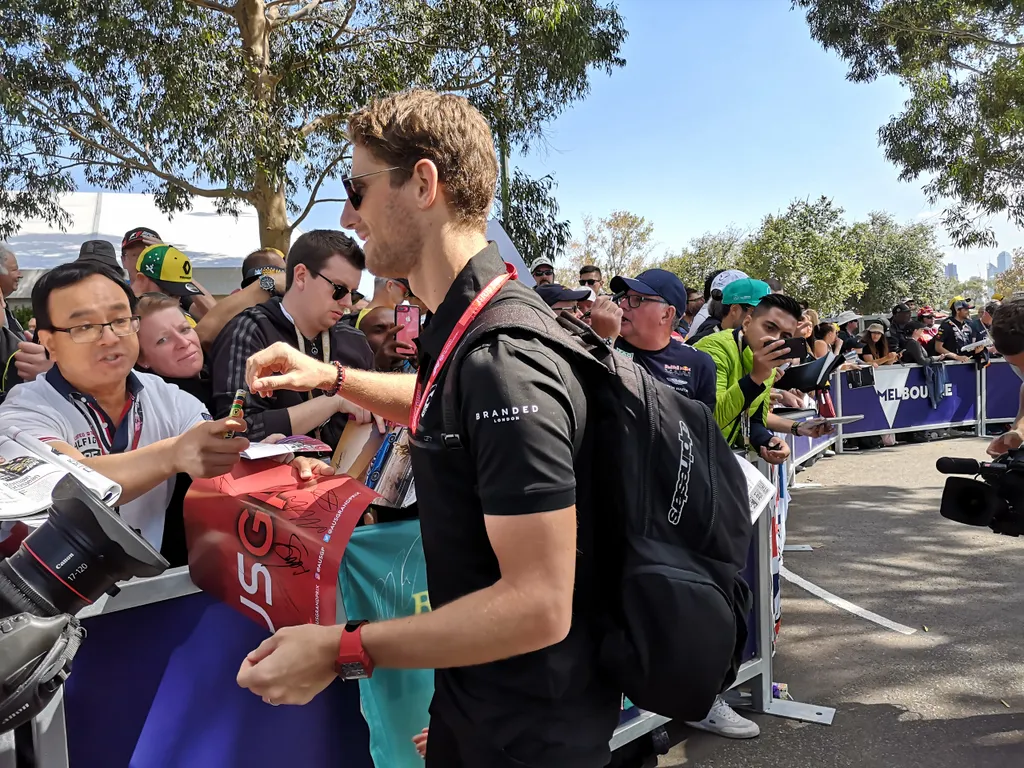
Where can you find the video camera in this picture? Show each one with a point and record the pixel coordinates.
(80, 552)
(996, 501)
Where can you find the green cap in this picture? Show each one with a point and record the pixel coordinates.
(169, 268)
(746, 290)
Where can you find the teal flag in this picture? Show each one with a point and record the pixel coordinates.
(383, 577)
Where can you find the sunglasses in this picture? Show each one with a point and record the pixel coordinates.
(341, 291)
(588, 283)
(543, 272)
(354, 197)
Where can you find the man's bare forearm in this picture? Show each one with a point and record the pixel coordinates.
(137, 472)
(494, 623)
(224, 311)
(386, 394)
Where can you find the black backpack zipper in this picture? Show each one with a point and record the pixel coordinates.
(652, 429)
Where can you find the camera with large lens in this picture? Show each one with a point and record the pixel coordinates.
(996, 500)
(80, 552)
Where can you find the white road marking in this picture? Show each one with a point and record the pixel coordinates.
(846, 605)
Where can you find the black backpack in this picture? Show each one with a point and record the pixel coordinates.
(672, 504)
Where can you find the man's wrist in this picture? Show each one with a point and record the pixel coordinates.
(329, 375)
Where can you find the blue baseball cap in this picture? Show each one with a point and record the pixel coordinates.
(655, 282)
(552, 294)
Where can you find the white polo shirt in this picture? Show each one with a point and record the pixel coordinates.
(50, 409)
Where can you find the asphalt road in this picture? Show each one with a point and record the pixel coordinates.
(949, 697)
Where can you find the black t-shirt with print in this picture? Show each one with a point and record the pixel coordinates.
(523, 417)
(689, 371)
(956, 335)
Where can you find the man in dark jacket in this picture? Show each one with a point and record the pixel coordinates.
(323, 269)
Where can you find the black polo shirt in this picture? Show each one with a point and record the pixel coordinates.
(522, 420)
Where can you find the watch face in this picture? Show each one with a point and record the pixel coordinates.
(352, 670)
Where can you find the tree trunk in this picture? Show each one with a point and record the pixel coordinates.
(272, 213)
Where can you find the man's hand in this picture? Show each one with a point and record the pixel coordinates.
(771, 354)
(776, 452)
(204, 452)
(392, 353)
(814, 428)
(606, 318)
(281, 366)
(1005, 442)
(307, 466)
(31, 360)
(420, 742)
(788, 398)
(293, 665)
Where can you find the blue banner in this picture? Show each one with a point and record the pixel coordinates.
(154, 687)
(802, 447)
(899, 399)
(1002, 391)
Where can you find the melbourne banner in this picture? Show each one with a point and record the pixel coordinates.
(1002, 391)
(900, 400)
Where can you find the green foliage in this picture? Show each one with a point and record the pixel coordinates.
(900, 261)
(23, 314)
(708, 253)
(961, 129)
(621, 244)
(807, 249)
(248, 102)
(533, 224)
(1012, 280)
(972, 288)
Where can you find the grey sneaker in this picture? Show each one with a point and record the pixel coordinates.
(724, 721)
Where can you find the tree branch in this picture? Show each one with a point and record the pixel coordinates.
(213, 5)
(316, 188)
(145, 165)
(324, 120)
(298, 15)
(956, 33)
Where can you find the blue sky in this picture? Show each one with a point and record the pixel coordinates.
(724, 112)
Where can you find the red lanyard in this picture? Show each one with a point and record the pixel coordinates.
(474, 309)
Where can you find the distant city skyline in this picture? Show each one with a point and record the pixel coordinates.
(951, 271)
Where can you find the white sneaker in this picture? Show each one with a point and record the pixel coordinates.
(724, 721)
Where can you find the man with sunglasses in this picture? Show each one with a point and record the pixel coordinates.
(322, 271)
(642, 324)
(543, 271)
(132, 427)
(590, 277)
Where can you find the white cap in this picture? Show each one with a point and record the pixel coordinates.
(541, 261)
(726, 277)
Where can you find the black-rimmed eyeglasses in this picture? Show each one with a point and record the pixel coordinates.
(354, 197)
(341, 291)
(88, 333)
(635, 300)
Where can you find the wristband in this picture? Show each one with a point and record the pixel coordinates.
(338, 380)
(795, 429)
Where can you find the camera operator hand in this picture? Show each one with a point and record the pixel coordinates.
(770, 355)
(204, 452)
(1005, 442)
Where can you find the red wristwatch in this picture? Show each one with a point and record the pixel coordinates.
(353, 662)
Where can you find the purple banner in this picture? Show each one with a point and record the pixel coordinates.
(1002, 391)
(899, 399)
(802, 447)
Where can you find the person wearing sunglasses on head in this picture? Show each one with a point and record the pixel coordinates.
(543, 271)
(321, 273)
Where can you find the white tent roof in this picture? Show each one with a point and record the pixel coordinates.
(208, 238)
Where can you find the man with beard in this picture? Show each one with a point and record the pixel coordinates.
(508, 533)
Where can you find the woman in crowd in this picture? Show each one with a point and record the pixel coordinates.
(169, 346)
(825, 338)
(805, 329)
(876, 346)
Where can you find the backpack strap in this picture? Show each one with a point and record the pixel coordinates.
(564, 333)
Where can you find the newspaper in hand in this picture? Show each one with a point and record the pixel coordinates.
(29, 470)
